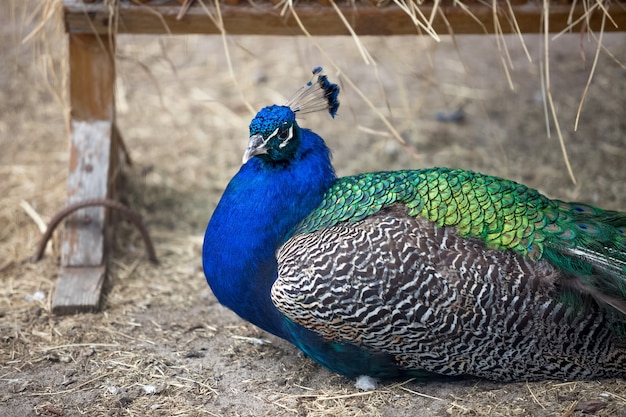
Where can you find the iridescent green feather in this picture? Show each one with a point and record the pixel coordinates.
(503, 213)
(581, 240)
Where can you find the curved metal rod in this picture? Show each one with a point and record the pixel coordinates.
(113, 204)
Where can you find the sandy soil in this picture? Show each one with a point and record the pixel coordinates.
(162, 345)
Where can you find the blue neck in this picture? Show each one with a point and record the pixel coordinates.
(258, 210)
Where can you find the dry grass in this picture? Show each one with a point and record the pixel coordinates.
(162, 345)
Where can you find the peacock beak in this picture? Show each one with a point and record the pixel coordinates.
(256, 146)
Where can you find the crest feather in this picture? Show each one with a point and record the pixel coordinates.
(316, 95)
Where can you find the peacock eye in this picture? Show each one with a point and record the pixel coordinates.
(285, 133)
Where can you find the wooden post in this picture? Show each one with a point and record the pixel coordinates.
(92, 172)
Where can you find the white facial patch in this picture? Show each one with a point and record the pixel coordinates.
(274, 133)
(287, 139)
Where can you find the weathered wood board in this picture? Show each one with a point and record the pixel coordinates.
(79, 289)
(321, 18)
(92, 169)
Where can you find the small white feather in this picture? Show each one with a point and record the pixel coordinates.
(366, 383)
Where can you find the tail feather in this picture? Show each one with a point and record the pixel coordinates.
(604, 262)
(590, 247)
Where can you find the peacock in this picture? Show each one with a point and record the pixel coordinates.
(429, 273)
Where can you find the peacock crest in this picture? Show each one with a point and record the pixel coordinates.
(316, 95)
(274, 132)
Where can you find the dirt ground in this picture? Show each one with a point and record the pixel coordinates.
(162, 345)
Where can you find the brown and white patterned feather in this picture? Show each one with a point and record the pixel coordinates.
(439, 302)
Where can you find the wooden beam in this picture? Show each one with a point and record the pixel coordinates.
(92, 169)
(264, 18)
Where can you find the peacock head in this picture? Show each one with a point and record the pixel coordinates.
(274, 132)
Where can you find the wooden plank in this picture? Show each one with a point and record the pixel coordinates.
(88, 179)
(264, 18)
(92, 165)
(79, 291)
